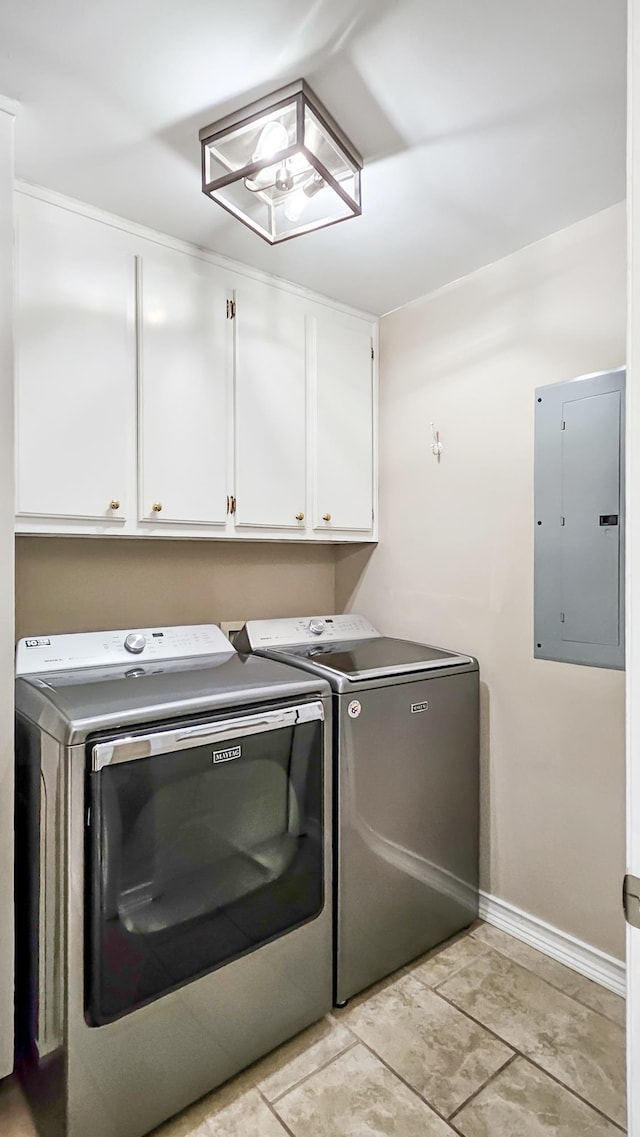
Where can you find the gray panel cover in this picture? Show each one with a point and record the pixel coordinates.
(579, 521)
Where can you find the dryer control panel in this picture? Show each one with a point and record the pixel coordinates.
(99, 649)
(298, 630)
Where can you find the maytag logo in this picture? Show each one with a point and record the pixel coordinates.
(226, 755)
(415, 707)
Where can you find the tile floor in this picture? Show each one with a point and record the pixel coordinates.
(484, 1037)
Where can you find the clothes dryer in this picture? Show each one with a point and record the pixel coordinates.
(173, 870)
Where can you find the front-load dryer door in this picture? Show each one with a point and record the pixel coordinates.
(204, 841)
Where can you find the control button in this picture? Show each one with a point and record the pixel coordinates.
(135, 643)
(317, 626)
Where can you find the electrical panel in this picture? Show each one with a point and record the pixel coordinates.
(579, 521)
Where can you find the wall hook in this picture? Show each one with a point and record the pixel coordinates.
(436, 447)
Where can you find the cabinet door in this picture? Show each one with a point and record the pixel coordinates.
(184, 367)
(343, 429)
(271, 440)
(76, 364)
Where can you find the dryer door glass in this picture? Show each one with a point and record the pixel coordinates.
(204, 841)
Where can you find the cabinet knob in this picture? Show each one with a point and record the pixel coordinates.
(326, 517)
(299, 516)
(157, 507)
(115, 504)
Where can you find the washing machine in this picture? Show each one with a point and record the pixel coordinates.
(406, 773)
(173, 870)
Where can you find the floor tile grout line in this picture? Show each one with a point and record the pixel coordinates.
(523, 1054)
(454, 1128)
(554, 986)
(564, 1086)
(434, 986)
(577, 1096)
(509, 1062)
(434, 1109)
(306, 1077)
(280, 1121)
(486, 946)
(533, 1062)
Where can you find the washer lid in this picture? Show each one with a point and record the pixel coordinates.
(371, 658)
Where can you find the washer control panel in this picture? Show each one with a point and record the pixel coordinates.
(99, 649)
(295, 631)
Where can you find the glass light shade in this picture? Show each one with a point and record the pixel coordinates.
(282, 165)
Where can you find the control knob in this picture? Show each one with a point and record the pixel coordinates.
(317, 625)
(135, 643)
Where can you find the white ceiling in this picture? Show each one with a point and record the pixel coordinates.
(484, 124)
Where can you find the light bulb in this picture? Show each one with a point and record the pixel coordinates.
(313, 186)
(273, 137)
(296, 204)
(264, 179)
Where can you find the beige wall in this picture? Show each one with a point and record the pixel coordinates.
(454, 563)
(72, 584)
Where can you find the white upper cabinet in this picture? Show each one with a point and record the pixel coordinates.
(185, 360)
(343, 416)
(270, 408)
(162, 392)
(76, 360)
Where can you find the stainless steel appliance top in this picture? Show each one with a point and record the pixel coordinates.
(90, 680)
(344, 647)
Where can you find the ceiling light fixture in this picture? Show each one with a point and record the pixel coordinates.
(282, 165)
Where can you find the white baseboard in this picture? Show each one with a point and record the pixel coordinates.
(597, 965)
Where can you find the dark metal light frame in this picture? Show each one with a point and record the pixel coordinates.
(300, 96)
